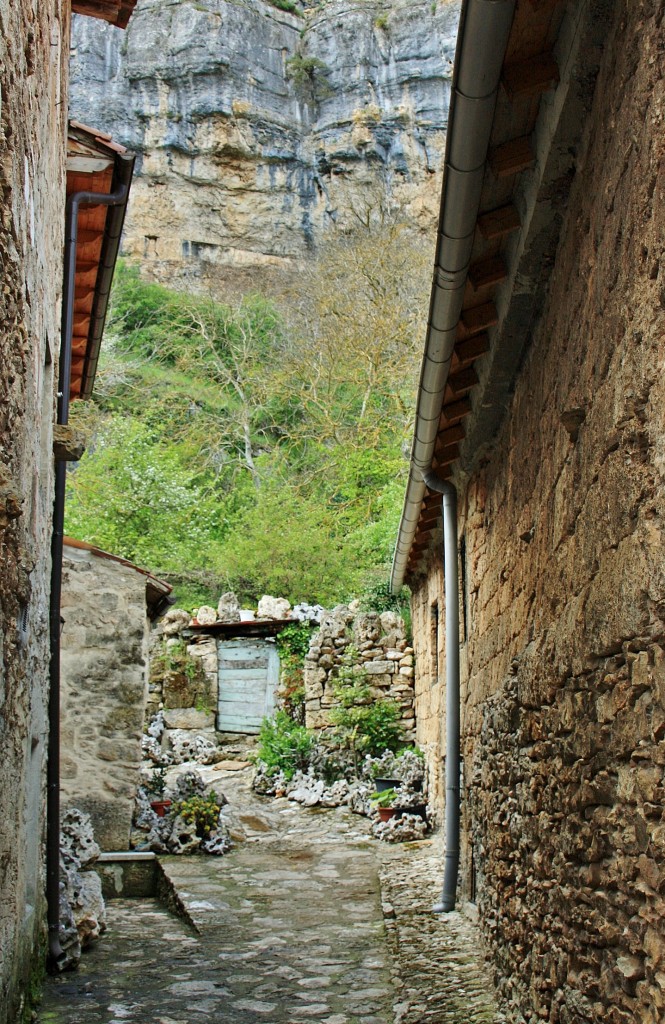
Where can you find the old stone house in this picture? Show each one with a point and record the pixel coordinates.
(34, 46)
(542, 403)
(108, 605)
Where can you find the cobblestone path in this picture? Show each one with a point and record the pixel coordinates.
(307, 920)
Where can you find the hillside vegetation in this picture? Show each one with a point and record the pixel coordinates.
(258, 446)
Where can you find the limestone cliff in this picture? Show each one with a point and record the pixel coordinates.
(259, 130)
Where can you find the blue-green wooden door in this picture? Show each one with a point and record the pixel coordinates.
(248, 679)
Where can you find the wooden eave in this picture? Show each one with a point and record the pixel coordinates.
(91, 159)
(529, 70)
(116, 12)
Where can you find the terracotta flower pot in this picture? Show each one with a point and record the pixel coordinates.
(160, 807)
(386, 813)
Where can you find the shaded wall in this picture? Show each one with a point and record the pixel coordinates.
(104, 691)
(33, 56)
(563, 653)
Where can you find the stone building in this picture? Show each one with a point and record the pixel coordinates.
(34, 48)
(542, 400)
(107, 607)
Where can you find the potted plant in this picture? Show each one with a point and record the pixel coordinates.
(156, 789)
(384, 800)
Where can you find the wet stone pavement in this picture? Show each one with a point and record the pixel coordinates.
(306, 920)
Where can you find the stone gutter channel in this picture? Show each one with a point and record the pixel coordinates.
(308, 919)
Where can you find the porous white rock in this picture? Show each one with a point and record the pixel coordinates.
(205, 615)
(228, 608)
(273, 608)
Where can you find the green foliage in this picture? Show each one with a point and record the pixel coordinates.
(381, 21)
(293, 645)
(202, 811)
(285, 5)
(385, 798)
(251, 448)
(305, 71)
(157, 783)
(284, 745)
(364, 725)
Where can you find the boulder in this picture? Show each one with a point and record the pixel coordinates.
(174, 621)
(228, 608)
(206, 616)
(188, 718)
(273, 608)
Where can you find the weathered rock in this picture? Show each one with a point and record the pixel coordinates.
(188, 718)
(183, 838)
(192, 745)
(174, 621)
(308, 612)
(77, 839)
(228, 608)
(205, 615)
(273, 608)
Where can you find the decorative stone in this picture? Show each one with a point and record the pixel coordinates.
(273, 608)
(174, 621)
(228, 608)
(206, 616)
(188, 718)
(247, 615)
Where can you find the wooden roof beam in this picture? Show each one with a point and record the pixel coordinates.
(512, 157)
(487, 272)
(530, 77)
(455, 411)
(478, 318)
(469, 349)
(462, 381)
(500, 222)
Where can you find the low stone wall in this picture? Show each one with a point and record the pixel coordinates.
(104, 689)
(374, 642)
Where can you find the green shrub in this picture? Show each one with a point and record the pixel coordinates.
(284, 745)
(364, 725)
(381, 21)
(304, 71)
(293, 645)
(285, 5)
(203, 811)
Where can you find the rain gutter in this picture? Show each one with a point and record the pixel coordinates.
(481, 47)
(117, 199)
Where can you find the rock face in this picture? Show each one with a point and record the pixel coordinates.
(258, 130)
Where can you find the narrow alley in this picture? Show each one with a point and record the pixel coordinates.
(308, 919)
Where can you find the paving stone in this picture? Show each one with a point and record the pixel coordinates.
(287, 929)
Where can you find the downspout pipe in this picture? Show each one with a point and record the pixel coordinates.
(451, 594)
(481, 46)
(116, 198)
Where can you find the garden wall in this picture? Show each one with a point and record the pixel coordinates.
(372, 642)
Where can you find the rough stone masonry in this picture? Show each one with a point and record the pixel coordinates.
(372, 643)
(563, 654)
(33, 110)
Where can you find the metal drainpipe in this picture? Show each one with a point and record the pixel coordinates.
(56, 956)
(451, 592)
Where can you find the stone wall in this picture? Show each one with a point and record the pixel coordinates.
(33, 56)
(104, 690)
(373, 643)
(563, 645)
